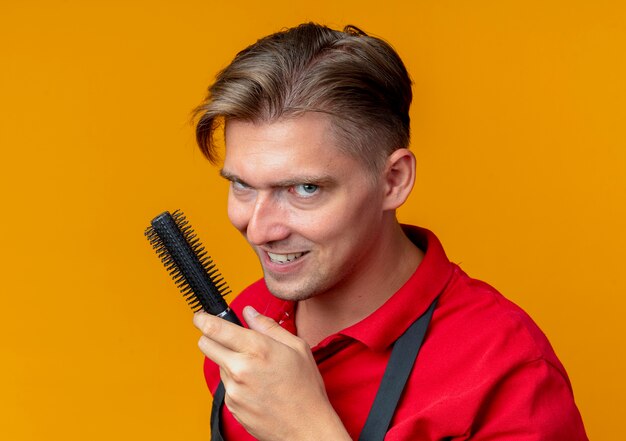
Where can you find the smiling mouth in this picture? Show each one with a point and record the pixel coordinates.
(284, 258)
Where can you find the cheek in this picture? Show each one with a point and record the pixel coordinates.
(359, 220)
(332, 225)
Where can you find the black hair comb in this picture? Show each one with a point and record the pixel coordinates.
(189, 265)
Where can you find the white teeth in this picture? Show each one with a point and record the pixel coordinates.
(283, 258)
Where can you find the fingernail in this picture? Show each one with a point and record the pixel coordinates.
(199, 319)
(250, 312)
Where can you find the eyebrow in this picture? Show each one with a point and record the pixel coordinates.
(229, 176)
(322, 180)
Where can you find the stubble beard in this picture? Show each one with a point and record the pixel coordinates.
(306, 284)
(309, 284)
(295, 290)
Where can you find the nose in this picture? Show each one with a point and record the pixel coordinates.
(268, 220)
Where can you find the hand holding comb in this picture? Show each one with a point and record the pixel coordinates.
(192, 269)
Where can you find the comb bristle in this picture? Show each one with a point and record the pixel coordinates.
(186, 260)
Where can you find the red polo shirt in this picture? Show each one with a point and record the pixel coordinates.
(485, 370)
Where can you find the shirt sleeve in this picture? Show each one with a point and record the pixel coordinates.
(533, 402)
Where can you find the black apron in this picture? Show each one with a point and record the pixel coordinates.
(399, 366)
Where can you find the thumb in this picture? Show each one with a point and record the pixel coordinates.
(267, 326)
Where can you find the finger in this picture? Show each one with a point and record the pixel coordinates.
(215, 352)
(269, 327)
(230, 336)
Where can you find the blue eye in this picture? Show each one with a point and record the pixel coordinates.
(305, 190)
(238, 185)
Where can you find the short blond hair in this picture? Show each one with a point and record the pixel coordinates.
(358, 80)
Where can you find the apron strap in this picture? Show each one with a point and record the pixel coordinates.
(396, 374)
(399, 367)
(216, 410)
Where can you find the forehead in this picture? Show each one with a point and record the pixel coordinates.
(287, 148)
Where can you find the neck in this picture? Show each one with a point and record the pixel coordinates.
(393, 260)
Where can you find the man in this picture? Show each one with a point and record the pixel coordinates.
(316, 128)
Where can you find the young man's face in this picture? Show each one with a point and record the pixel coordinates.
(310, 212)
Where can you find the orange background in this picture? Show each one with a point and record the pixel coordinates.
(519, 128)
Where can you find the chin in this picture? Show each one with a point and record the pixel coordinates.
(291, 291)
(293, 295)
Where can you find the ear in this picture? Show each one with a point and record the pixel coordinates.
(398, 178)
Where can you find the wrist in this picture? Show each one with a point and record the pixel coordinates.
(329, 427)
